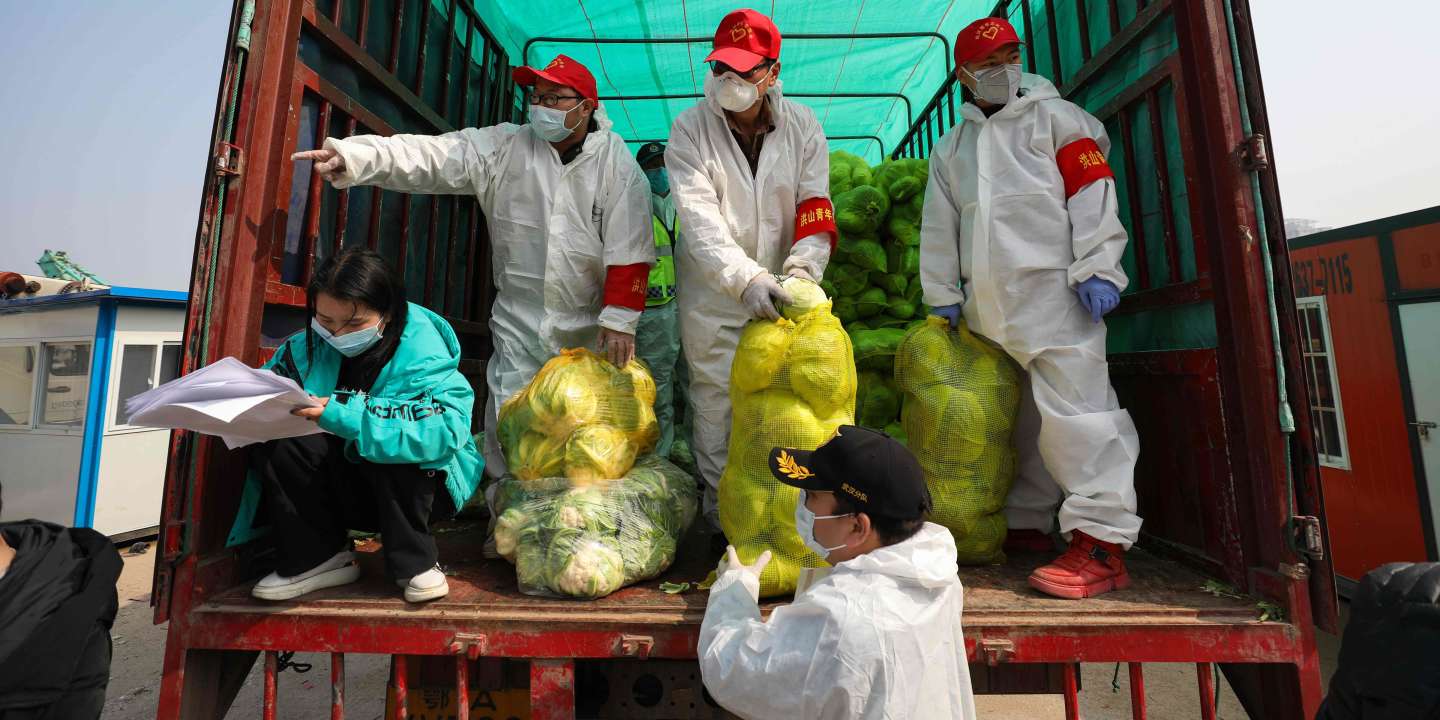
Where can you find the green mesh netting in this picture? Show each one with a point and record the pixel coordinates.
(914, 67)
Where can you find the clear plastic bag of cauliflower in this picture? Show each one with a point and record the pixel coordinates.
(589, 539)
(792, 384)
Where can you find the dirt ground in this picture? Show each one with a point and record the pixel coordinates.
(1171, 690)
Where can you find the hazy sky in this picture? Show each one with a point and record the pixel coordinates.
(105, 114)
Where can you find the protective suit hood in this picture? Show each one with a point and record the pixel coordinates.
(1033, 89)
(927, 559)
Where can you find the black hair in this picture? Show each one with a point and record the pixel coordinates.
(892, 531)
(362, 276)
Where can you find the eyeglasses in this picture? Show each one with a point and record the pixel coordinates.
(719, 68)
(550, 100)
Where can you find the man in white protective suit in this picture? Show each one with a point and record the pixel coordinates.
(1021, 238)
(877, 635)
(750, 173)
(569, 217)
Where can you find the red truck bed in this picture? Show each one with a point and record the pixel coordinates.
(1204, 354)
(1167, 615)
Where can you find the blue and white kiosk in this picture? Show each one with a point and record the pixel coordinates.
(69, 355)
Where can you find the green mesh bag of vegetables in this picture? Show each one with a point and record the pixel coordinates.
(960, 395)
(812, 395)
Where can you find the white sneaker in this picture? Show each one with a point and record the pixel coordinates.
(427, 586)
(340, 569)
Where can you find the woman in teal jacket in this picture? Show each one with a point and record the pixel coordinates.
(397, 452)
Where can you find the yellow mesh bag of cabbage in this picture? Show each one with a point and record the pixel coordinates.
(960, 395)
(587, 540)
(580, 418)
(792, 385)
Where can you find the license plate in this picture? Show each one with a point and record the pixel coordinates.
(438, 703)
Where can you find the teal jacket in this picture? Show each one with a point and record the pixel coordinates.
(417, 412)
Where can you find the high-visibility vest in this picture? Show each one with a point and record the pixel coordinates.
(662, 276)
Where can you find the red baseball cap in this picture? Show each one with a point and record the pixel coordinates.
(982, 37)
(745, 37)
(563, 70)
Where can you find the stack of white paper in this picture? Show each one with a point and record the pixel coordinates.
(240, 404)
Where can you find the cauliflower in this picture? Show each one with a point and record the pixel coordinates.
(586, 569)
(507, 531)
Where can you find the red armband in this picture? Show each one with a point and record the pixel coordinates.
(625, 285)
(1082, 163)
(815, 216)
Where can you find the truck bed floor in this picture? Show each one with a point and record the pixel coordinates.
(483, 591)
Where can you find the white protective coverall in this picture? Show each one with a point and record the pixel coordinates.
(554, 229)
(999, 232)
(879, 637)
(736, 226)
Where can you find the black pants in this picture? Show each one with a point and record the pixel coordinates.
(314, 496)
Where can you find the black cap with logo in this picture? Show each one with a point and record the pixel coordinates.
(648, 152)
(873, 471)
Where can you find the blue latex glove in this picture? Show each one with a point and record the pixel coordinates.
(949, 312)
(1098, 297)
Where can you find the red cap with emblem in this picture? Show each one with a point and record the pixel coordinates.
(745, 37)
(982, 37)
(563, 70)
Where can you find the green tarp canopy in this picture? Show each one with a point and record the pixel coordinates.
(912, 66)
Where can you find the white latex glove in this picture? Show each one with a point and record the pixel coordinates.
(801, 273)
(327, 162)
(762, 296)
(733, 572)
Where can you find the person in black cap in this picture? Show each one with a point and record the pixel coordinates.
(879, 636)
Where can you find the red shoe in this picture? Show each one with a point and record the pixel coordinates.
(1025, 540)
(1087, 569)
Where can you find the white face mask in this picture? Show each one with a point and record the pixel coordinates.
(352, 343)
(732, 92)
(805, 526)
(549, 123)
(996, 85)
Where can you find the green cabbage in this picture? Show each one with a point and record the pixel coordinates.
(868, 255)
(910, 261)
(598, 452)
(536, 456)
(875, 349)
(872, 302)
(892, 284)
(848, 279)
(844, 309)
(897, 431)
(877, 401)
(806, 296)
(820, 372)
(760, 354)
(861, 209)
(900, 308)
